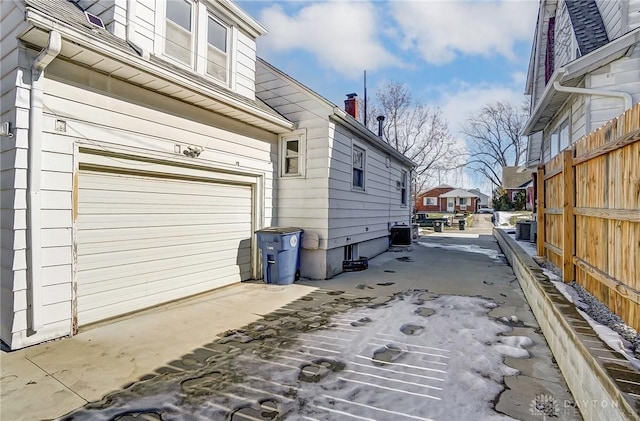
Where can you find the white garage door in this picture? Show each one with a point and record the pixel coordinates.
(145, 240)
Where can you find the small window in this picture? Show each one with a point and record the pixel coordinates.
(554, 143)
(463, 201)
(429, 201)
(403, 188)
(359, 163)
(217, 50)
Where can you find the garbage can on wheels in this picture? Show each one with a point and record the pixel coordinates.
(280, 249)
(461, 224)
(437, 226)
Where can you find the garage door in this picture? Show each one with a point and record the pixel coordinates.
(145, 240)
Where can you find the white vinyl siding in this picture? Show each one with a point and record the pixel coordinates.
(621, 75)
(565, 45)
(611, 16)
(633, 15)
(146, 240)
(245, 64)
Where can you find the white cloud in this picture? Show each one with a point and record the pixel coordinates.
(442, 30)
(461, 100)
(343, 36)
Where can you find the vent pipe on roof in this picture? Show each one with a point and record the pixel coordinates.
(380, 119)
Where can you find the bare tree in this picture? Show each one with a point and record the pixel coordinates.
(418, 131)
(493, 139)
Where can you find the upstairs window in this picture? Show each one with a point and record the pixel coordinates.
(195, 37)
(179, 30)
(358, 157)
(217, 65)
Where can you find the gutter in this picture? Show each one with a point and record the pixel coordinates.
(34, 178)
(628, 100)
(131, 30)
(41, 21)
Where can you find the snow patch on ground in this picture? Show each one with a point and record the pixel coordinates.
(468, 248)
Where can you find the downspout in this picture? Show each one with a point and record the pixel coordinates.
(626, 97)
(131, 30)
(34, 177)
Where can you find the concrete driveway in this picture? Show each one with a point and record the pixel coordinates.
(436, 330)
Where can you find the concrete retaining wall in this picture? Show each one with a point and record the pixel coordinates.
(594, 380)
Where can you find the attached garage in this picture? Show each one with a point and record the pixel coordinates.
(149, 238)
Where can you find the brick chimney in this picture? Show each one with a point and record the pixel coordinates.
(351, 105)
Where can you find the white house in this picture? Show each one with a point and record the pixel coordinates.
(137, 162)
(347, 187)
(584, 70)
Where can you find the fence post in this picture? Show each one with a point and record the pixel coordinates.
(540, 206)
(568, 220)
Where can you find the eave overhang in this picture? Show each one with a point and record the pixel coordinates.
(122, 62)
(572, 75)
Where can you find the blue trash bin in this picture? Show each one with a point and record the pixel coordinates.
(280, 249)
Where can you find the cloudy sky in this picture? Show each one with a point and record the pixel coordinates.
(453, 54)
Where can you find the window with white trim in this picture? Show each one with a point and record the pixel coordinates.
(292, 158)
(463, 201)
(429, 201)
(359, 158)
(193, 36)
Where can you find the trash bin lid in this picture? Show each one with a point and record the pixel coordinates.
(280, 230)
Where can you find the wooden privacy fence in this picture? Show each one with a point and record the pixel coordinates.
(589, 214)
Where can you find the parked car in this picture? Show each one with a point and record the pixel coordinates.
(485, 210)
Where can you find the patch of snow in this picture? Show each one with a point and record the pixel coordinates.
(468, 248)
(456, 234)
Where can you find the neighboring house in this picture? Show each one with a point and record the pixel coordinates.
(445, 198)
(483, 199)
(584, 70)
(347, 187)
(140, 162)
(516, 180)
(430, 201)
(460, 200)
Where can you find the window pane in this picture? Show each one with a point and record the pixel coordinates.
(179, 11)
(292, 148)
(178, 43)
(216, 63)
(358, 178)
(564, 135)
(291, 166)
(217, 35)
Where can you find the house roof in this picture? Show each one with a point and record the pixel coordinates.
(478, 193)
(458, 193)
(588, 26)
(512, 179)
(341, 116)
(100, 50)
(571, 75)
